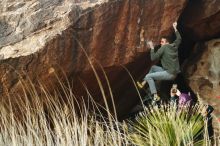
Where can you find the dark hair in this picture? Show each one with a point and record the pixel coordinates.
(168, 38)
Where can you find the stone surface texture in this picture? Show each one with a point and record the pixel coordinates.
(201, 19)
(39, 38)
(203, 71)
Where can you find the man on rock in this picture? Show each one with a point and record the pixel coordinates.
(168, 54)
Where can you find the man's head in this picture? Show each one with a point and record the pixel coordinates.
(165, 40)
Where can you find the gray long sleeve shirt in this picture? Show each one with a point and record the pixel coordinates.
(169, 55)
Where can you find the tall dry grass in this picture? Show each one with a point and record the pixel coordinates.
(33, 120)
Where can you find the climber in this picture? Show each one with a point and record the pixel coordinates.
(168, 54)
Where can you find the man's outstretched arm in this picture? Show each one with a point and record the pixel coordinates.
(178, 37)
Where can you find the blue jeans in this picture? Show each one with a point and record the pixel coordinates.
(157, 73)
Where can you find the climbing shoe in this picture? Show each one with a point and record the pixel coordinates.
(156, 97)
(156, 100)
(140, 85)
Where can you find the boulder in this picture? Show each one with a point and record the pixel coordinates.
(201, 19)
(203, 71)
(40, 38)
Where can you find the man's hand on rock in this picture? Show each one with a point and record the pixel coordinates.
(174, 26)
(151, 45)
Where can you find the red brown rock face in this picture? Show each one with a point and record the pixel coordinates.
(109, 33)
(114, 38)
(201, 19)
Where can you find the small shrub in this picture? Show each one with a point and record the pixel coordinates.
(168, 125)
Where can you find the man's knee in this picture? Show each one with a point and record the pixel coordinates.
(153, 67)
(147, 77)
